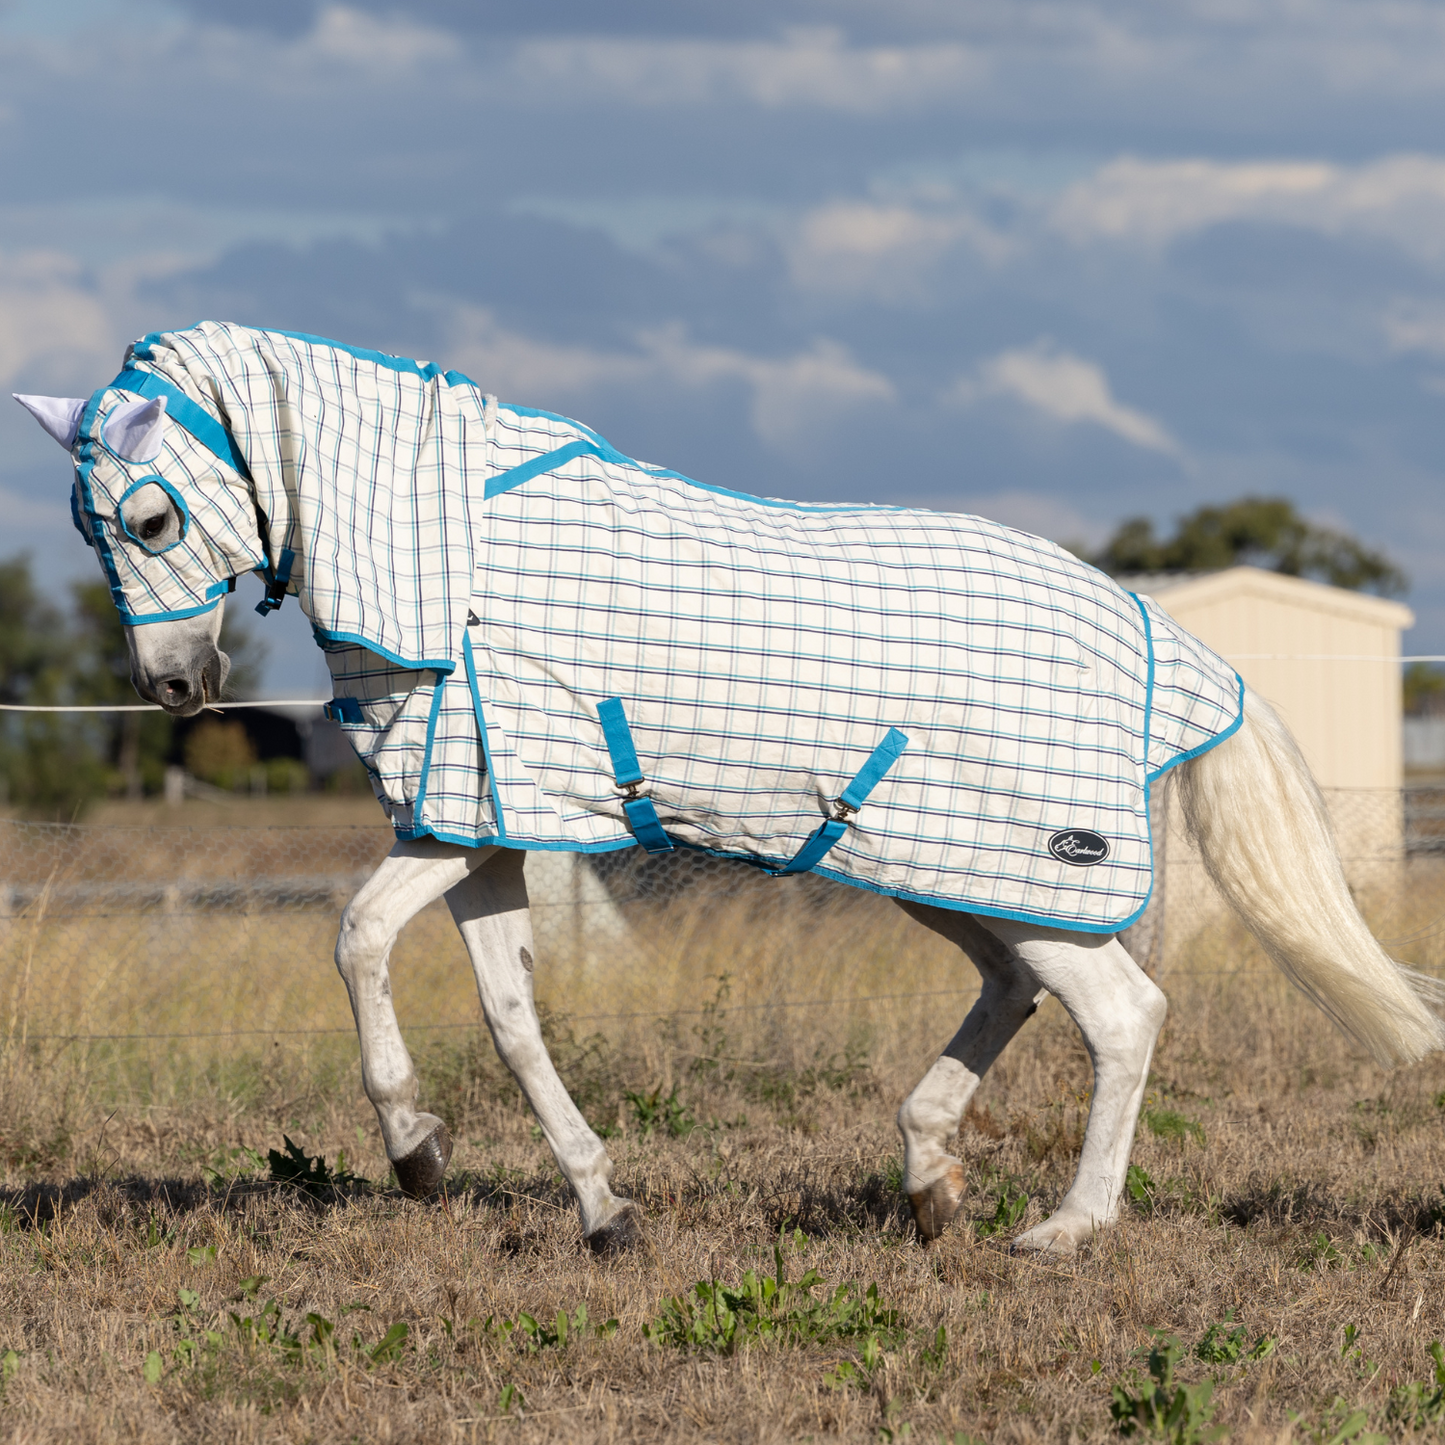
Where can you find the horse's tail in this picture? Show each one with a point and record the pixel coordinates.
(1258, 819)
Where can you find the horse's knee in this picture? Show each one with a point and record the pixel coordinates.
(362, 944)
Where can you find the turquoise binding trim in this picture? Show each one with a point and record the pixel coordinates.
(849, 801)
(471, 665)
(139, 619)
(352, 639)
(641, 815)
(174, 495)
(548, 461)
(142, 351)
(186, 413)
(431, 732)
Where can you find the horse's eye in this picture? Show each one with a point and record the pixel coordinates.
(152, 527)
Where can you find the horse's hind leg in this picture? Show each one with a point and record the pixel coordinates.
(414, 874)
(931, 1114)
(490, 908)
(1119, 1012)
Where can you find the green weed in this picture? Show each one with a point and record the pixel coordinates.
(1320, 1253)
(1416, 1406)
(721, 1318)
(527, 1335)
(1342, 1425)
(1222, 1345)
(1166, 1410)
(1010, 1205)
(1167, 1124)
(651, 1112)
(1141, 1188)
(309, 1173)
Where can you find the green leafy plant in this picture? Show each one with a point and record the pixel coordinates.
(308, 1173)
(1165, 1410)
(509, 1399)
(1223, 1345)
(1415, 1405)
(651, 1112)
(528, 1335)
(1320, 1253)
(935, 1356)
(1342, 1425)
(857, 1374)
(721, 1318)
(1010, 1205)
(1141, 1188)
(1167, 1124)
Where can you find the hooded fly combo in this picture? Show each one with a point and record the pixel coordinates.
(539, 644)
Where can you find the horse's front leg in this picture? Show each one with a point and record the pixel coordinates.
(1119, 1012)
(490, 908)
(414, 874)
(929, 1117)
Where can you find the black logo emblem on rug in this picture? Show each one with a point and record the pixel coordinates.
(1079, 846)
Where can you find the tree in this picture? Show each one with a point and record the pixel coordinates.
(54, 763)
(48, 761)
(1254, 531)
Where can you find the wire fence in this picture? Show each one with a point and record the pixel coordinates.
(154, 933)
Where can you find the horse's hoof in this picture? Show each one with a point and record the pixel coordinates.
(621, 1234)
(419, 1175)
(935, 1206)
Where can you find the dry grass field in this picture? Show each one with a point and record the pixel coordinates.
(163, 1279)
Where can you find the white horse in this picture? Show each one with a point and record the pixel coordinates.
(1250, 805)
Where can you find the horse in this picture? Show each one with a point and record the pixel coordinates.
(537, 642)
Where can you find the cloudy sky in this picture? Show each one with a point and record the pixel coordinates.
(1055, 261)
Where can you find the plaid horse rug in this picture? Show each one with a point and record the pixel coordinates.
(539, 642)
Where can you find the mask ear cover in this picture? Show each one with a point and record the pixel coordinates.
(59, 415)
(135, 429)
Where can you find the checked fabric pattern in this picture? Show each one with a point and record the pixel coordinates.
(483, 576)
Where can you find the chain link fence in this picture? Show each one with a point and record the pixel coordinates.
(166, 931)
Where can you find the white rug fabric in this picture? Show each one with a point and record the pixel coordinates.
(484, 577)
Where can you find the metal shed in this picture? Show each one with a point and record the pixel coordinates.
(1328, 660)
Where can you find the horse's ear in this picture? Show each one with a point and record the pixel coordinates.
(134, 429)
(59, 415)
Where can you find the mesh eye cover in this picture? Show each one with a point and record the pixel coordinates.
(218, 533)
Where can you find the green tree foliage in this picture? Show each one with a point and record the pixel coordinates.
(52, 764)
(1254, 531)
(1424, 689)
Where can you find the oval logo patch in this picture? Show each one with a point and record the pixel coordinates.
(1079, 846)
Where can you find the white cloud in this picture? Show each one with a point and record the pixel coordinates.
(357, 39)
(808, 67)
(1065, 388)
(792, 396)
(52, 325)
(1397, 198)
(881, 248)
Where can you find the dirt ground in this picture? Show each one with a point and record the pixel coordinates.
(163, 1279)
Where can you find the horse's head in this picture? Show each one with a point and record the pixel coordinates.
(173, 522)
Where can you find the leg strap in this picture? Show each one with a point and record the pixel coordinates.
(647, 827)
(849, 801)
(641, 815)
